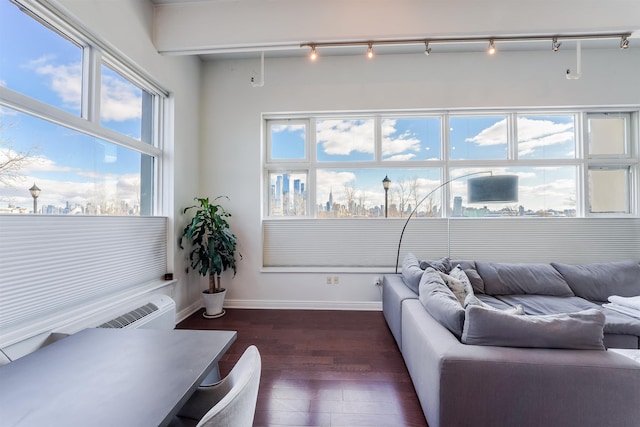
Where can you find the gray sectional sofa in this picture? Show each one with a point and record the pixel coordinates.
(483, 365)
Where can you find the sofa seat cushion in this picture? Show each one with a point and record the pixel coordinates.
(581, 330)
(599, 281)
(531, 279)
(615, 323)
(494, 302)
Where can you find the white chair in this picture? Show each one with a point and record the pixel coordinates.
(228, 403)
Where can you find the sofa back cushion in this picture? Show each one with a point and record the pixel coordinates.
(598, 281)
(532, 279)
(411, 272)
(582, 330)
(440, 302)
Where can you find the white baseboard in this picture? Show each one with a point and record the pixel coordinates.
(305, 305)
(188, 311)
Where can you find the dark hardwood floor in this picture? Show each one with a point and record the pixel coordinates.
(321, 368)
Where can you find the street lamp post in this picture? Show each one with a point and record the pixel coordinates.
(35, 192)
(385, 183)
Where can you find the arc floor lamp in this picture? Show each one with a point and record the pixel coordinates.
(483, 189)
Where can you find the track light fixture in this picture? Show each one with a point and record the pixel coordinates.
(624, 42)
(492, 47)
(555, 44)
(370, 51)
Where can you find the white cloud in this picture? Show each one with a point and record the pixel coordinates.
(288, 128)
(495, 134)
(398, 144)
(6, 112)
(66, 80)
(120, 100)
(542, 133)
(343, 137)
(400, 157)
(332, 181)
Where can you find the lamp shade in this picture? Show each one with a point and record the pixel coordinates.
(493, 189)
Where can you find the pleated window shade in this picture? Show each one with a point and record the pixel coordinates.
(52, 263)
(373, 243)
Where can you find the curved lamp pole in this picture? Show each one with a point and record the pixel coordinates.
(385, 183)
(35, 192)
(500, 188)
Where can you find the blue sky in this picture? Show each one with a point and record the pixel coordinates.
(67, 165)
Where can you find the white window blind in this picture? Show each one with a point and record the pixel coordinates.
(325, 244)
(51, 263)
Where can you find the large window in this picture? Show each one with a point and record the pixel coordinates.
(569, 163)
(76, 120)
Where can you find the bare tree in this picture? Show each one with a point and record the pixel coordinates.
(11, 161)
(403, 191)
(350, 196)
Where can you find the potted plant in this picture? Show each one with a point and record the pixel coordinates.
(213, 249)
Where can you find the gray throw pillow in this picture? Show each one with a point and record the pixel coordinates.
(411, 272)
(582, 330)
(522, 279)
(598, 281)
(469, 268)
(440, 302)
(443, 264)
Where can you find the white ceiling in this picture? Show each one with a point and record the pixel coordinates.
(216, 29)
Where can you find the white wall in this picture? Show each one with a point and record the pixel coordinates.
(127, 26)
(232, 143)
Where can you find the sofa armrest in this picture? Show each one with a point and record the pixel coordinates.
(394, 291)
(460, 384)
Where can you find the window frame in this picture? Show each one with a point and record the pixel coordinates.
(95, 54)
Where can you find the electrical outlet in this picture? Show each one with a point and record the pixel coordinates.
(336, 280)
(328, 280)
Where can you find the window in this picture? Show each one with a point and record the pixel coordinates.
(91, 141)
(563, 172)
(611, 163)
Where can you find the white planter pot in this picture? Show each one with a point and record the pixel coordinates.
(213, 303)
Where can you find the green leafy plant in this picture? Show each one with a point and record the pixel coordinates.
(213, 245)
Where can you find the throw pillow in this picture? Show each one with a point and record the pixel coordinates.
(440, 302)
(443, 264)
(457, 281)
(598, 281)
(582, 330)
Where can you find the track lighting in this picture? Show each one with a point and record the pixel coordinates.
(624, 42)
(492, 47)
(370, 51)
(555, 44)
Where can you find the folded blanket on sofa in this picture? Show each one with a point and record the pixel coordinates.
(630, 302)
(623, 309)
